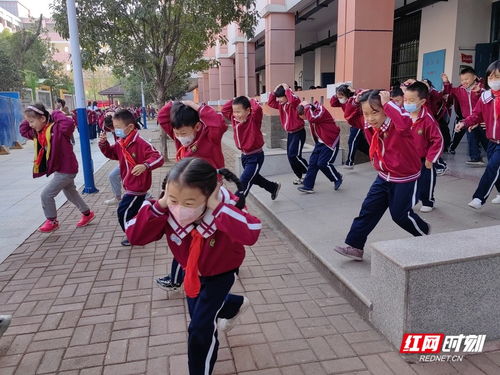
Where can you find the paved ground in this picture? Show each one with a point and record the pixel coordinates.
(82, 304)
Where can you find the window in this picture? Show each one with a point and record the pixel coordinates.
(405, 45)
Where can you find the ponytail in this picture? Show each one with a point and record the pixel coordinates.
(230, 176)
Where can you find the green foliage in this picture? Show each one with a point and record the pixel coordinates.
(11, 79)
(136, 36)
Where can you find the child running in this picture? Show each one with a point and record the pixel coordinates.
(246, 117)
(137, 158)
(388, 130)
(206, 230)
(283, 99)
(326, 145)
(346, 98)
(428, 141)
(197, 131)
(51, 135)
(487, 110)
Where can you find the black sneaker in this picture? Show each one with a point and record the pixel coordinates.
(337, 183)
(125, 242)
(166, 283)
(4, 323)
(274, 195)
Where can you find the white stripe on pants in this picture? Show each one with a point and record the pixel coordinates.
(61, 182)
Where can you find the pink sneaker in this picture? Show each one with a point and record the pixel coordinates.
(86, 219)
(350, 252)
(49, 226)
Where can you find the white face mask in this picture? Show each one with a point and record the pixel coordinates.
(186, 140)
(494, 84)
(343, 100)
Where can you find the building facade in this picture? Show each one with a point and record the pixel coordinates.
(372, 44)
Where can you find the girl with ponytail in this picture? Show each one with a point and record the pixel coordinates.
(206, 229)
(51, 136)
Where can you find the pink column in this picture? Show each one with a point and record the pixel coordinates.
(226, 78)
(364, 42)
(206, 87)
(213, 84)
(280, 49)
(201, 88)
(239, 60)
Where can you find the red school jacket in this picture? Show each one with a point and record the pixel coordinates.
(428, 138)
(485, 111)
(208, 142)
(247, 135)
(290, 120)
(466, 99)
(323, 127)
(226, 230)
(398, 162)
(352, 111)
(62, 159)
(142, 152)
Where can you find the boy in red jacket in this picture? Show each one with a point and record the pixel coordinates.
(283, 99)
(428, 141)
(388, 130)
(197, 131)
(466, 96)
(51, 135)
(326, 137)
(246, 117)
(137, 158)
(487, 110)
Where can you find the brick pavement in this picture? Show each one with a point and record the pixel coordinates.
(83, 304)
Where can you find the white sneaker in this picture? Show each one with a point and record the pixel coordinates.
(476, 203)
(228, 324)
(111, 202)
(426, 209)
(496, 200)
(346, 166)
(298, 181)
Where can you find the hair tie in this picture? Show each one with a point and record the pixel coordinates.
(217, 171)
(35, 109)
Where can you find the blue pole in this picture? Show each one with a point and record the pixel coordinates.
(144, 116)
(81, 112)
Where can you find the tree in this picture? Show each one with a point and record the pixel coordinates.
(136, 36)
(11, 79)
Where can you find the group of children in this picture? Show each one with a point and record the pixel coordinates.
(207, 226)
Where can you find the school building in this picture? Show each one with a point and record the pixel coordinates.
(370, 43)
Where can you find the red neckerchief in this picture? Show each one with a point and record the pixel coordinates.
(124, 143)
(192, 283)
(42, 140)
(375, 143)
(496, 94)
(180, 153)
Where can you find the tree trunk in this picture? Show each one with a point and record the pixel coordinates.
(161, 98)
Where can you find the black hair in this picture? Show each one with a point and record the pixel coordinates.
(373, 99)
(468, 69)
(420, 88)
(94, 103)
(40, 107)
(62, 102)
(183, 115)
(301, 109)
(312, 87)
(493, 67)
(243, 101)
(429, 82)
(397, 91)
(344, 90)
(280, 92)
(198, 173)
(108, 122)
(126, 117)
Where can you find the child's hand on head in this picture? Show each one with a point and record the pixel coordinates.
(356, 98)
(213, 200)
(409, 82)
(459, 126)
(103, 137)
(385, 97)
(139, 169)
(444, 77)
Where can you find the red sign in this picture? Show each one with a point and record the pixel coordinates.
(466, 58)
(421, 343)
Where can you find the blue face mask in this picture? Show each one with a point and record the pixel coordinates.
(411, 107)
(120, 133)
